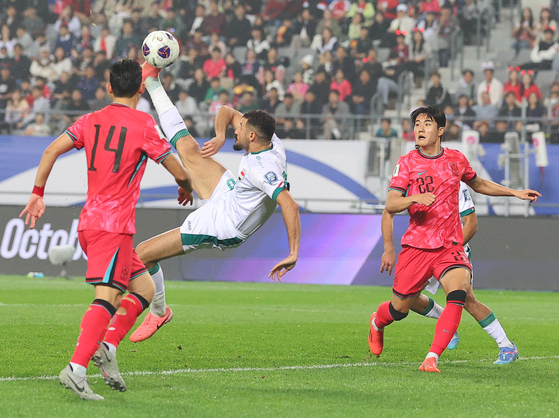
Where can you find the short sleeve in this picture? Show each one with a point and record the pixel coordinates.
(155, 145)
(469, 174)
(269, 178)
(400, 176)
(465, 202)
(77, 131)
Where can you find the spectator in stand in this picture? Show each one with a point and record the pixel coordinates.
(355, 27)
(430, 6)
(311, 108)
(258, 44)
(379, 29)
(341, 85)
(213, 22)
(304, 30)
(7, 40)
(23, 38)
(12, 19)
(343, 61)
(388, 7)
(298, 88)
(136, 19)
(61, 64)
(212, 94)
(307, 69)
(271, 101)
(20, 64)
(388, 82)
(186, 104)
(463, 112)
(247, 102)
(7, 86)
(272, 12)
(543, 54)
(485, 111)
(17, 109)
(284, 34)
(528, 85)
(68, 19)
(78, 106)
(272, 62)
(535, 111)
(88, 83)
(320, 88)
(31, 22)
(65, 40)
(513, 84)
(85, 40)
(407, 131)
(365, 9)
(172, 89)
(288, 130)
(87, 59)
(199, 88)
(339, 9)
(65, 83)
(335, 116)
(418, 51)
(288, 109)
(326, 63)
(101, 100)
(215, 66)
(106, 43)
(189, 65)
(328, 22)
(238, 31)
(371, 64)
(127, 40)
(490, 85)
(471, 12)
(386, 130)
(487, 135)
(45, 88)
(364, 44)
(43, 67)
(447, 25)
(153, 18)
(363, 91)
(81, 8)
(172, 23)
(510, 110)
(401, 48)
(40, 105)
(437, 95)
(523, 32)
(252, 69)
(428, 27)
(325, 42)
(546, 21)
(34, 50)
(223, 100)
(403, 24)
(270, 81)
(467, 87)
(233, 70)
(38, 127)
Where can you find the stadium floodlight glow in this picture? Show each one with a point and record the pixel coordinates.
(60, 255)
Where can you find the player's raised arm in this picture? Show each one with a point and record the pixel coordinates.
(491, 188)
(225, 116)
(388, 260)
(290, 212)
(36, 206)
(174, 166)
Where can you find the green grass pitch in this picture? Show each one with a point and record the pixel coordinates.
(277, 350)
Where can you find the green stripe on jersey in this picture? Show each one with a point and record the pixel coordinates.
(277, 192)
(193, 239)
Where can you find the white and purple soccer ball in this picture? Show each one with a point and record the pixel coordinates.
(160, 49)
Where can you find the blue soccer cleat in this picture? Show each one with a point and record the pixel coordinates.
(454, 342)
(507, 355)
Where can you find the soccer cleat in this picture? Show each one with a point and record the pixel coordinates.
(149, 70)
(150, 325)
(507, 355)
(376, 338)
(429, 365)
(106, 362)
(78, 384)
(454, 342)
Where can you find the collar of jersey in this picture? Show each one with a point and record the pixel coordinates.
(431, 157)
(264, 150)
(120, 104)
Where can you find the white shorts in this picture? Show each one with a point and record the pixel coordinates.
(206, 227)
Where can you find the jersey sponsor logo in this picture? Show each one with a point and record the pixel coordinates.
(271, 177)
(454, 168)
(396, 170)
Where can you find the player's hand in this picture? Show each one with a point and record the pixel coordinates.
(283, 267)
(387, 262)
(528, 194)
(185, 197)
(426, 199)
(34, 209)
(212, 146)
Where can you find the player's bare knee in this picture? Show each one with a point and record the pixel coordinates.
(142, 249)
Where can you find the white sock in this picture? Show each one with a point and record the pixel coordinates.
(158, 95)
(173, 125)
(110, 347)
(493, 327)
(431, 354)
(158, 306)
(435, 312)
(78, 369)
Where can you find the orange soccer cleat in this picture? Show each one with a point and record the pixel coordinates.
(429, 365)
(150, 326)
(376, 337)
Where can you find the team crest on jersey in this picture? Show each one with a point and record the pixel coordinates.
(396, 170)
(271, 177)
(454, 168)
(242, 174)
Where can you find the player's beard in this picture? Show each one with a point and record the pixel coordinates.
(237, 145)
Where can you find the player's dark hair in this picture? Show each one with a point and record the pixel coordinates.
(433, 112)
(126, 78)
(263, 123)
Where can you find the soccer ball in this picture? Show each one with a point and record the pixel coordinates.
(160, 49)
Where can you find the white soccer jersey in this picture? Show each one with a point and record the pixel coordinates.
(262, 176)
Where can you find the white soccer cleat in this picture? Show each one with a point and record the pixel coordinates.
(77, 384)
(106, 362)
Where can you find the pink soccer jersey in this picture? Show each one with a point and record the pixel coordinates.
(117, 140)
(437, 225)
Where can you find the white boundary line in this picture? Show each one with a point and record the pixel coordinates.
(265, 369)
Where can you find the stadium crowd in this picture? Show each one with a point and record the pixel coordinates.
(315, 64)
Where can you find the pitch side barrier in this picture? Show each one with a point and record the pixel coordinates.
(338, 249)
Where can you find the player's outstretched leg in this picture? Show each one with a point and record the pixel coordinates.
(426, 306)
(159, 314)
(77, 384)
